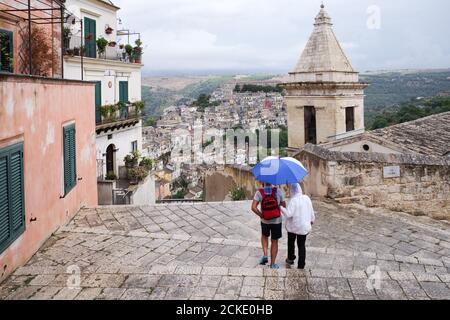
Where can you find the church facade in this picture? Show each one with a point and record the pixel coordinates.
(324, 96)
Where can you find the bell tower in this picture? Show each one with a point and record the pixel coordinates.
(324, 96)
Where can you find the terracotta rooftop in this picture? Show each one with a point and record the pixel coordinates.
(427, 136)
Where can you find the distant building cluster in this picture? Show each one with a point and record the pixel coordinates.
(248, 111)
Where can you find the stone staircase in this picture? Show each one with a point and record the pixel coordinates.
(211, 251)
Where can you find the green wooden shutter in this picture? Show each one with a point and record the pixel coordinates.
(66, 161)
(4, 201)
(123, 97)
(6, 51)
(123, 91)
(73, 156)
(90, 35)
(98, 102)
(12, 207)
(16, 188)
(70, 175)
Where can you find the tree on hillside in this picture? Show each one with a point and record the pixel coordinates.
(203, 102)
(411, 111)
(150, 122)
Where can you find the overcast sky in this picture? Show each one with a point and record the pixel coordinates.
(240, 36)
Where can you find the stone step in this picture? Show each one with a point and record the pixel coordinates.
(256, 244)
(286, 272)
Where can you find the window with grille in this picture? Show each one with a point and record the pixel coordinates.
(6, 51)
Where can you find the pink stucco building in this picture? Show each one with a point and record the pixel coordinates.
(47, 152)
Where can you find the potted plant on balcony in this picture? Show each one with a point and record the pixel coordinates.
(104, 111)
(123, 109)
(108, 112)
(138, 106)
(129, 51)
(137, 50)
(109, 30)
(147, 163)
(136, 175)
(113, 111)
(78, 51)
(101, 45)
(111, 176)
(132, 159)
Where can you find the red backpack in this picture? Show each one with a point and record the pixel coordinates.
(269, 205)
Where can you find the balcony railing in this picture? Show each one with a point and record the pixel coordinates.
(76, 46)
(110, 114)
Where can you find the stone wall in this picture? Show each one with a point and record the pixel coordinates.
(423, 187)
(219, 184)
(420, 189)
(144, 193)
(34, 112)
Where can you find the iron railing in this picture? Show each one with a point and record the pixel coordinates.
(126, 113)
(121, 197)
(100, 165)
(77, 46)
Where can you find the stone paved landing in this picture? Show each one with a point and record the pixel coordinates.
(210, 251)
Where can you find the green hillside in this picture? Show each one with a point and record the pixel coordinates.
(387, 91)
(157, 99)
(410, 111)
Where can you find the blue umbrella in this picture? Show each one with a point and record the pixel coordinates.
(278, 171)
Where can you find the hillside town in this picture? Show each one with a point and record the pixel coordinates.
(228, 110)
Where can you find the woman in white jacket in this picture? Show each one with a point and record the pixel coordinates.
(299, 218)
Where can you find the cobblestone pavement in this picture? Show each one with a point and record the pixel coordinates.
(211, 251)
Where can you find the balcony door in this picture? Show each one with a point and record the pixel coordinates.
(98, 102)
(123, 97)
(123, 91)
(90, 37)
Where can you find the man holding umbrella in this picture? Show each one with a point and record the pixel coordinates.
(274, 171)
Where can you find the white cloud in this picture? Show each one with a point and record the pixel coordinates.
(186, 35)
